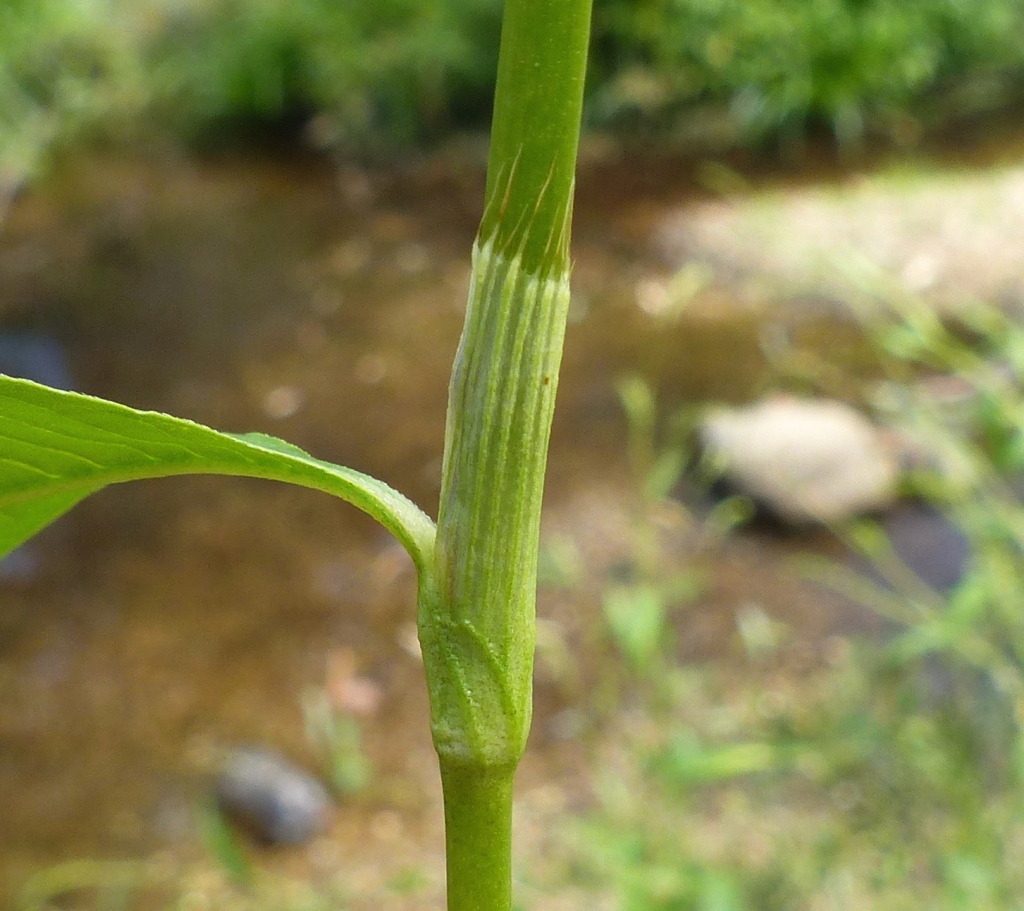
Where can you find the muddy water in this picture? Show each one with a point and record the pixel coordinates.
(170, 620)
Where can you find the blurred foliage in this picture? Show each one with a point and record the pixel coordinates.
(784, 66)
(644, 589)
(890, 773)
(964, 412)
(399, 71)
(64, 67)
(166, 885)
(338, 737)
(849, 788)
(349, 74)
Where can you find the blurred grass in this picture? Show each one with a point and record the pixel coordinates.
(773, 69)
(887, 773)
(847, 791)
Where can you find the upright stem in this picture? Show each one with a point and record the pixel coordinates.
(536, 128)
(477, 606)
(478, 838)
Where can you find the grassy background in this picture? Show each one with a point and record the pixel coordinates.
(410, 71)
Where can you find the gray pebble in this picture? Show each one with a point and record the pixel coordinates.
(35, 357)
(42, 359)
(274, 799)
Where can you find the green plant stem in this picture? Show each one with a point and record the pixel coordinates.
(535, 131)
(478, 836)
(477, 620)
(477, 608)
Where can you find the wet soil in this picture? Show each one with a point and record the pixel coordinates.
(168, 621)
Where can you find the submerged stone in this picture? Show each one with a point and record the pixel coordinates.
(35, 357)
(276, 800)
(40, 358)
(929, 543)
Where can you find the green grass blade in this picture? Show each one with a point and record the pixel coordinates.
(58, 447)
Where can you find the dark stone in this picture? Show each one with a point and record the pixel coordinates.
(21, 566)
(42, 359)
(35, 357)
(271, 797)
(928, 543)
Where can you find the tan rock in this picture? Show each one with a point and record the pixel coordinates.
(806, 461)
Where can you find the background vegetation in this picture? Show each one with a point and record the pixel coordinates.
(887, 775)
(400, 71)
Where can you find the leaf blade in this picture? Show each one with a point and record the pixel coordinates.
(58, 447)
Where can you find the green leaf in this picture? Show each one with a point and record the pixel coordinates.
(686, 761)
(636, 619)
(224, 845)
(58, 447)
